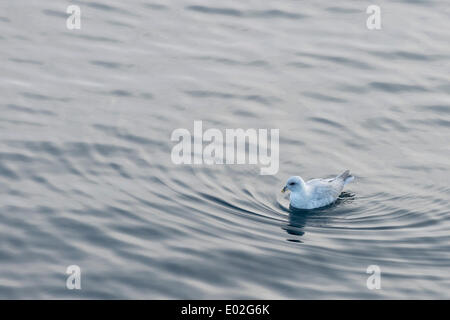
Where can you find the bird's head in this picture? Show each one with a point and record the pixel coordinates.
(293, 184)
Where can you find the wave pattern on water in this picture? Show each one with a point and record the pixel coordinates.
(86, 176)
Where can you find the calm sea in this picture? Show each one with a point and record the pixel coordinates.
(87, 179)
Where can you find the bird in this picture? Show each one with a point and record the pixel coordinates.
(315, 193)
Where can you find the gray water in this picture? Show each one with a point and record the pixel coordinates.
(86, 176)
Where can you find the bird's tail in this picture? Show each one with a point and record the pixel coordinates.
(346, 176)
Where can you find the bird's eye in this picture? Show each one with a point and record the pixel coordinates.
(292, 183)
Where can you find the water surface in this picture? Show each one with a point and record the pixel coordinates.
(86, 176)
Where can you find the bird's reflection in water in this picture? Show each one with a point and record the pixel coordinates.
(299, 218)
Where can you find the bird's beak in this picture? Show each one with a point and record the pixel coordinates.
(284, 189)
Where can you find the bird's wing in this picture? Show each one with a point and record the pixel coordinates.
(324, 188)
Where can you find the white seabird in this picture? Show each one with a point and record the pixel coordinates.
(315, 193)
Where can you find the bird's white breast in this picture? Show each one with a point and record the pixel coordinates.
(311, 198)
